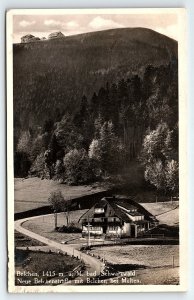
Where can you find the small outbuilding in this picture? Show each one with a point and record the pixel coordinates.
(28, 38)
(56, 35)
(115, 217)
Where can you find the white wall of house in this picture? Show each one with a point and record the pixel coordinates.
(126, 229)
(93, 229)
(98, 210)
(116, 230)
(135, 218)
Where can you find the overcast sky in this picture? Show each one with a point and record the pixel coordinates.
(42, 25)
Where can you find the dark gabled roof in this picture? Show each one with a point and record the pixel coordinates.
(128, 204)
(101, 204)
(140, 222)
(119, 212)
(139, 207)
(134, 213)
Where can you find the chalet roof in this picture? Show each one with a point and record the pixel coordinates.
(101, 204)
(140, 222)
(117, 205)
(126, 202)
(119, 212)
(134, 213)
(126, 205)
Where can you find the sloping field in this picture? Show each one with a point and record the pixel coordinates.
(158, 208)
(33, 192)
(165, 212)
(170, 218)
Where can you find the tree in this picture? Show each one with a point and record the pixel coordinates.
(38, 166)
(23, 154)
(98, 122)
(55, 199)
(172, 172)
(104, 150)
(78, 167)
(94, 154)
(158, 157)
(54, 148)
(22, 164)
(59, 170)
(83, 122)
(47, 126)
(67, 135)
(24, 143)
(154, 144)
(155, 174)
(58, 203)
(37, 147)
(52, 154)
(94, 150)
(82, 116)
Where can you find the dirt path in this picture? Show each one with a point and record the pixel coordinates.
(92, 264)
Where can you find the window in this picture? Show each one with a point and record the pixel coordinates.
(95, 228)
(113, 228)
(99, 210)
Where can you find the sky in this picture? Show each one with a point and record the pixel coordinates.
(43, 25)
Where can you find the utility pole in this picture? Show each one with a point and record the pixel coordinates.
(173, 261)
(55, 217)
(88, 233)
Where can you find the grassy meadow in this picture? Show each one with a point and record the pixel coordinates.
(44, 225)
(33, 192)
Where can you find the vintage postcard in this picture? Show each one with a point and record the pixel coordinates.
(96, 150)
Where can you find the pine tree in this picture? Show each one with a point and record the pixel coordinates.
(104, 150)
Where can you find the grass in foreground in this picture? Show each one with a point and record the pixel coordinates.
(153, 264)
(25, 241)
(37, 268)
(150, 256)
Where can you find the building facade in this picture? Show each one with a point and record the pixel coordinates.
(113, 217)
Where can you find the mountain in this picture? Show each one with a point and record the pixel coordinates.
(51, 76)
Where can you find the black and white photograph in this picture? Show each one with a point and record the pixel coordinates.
(96, 150)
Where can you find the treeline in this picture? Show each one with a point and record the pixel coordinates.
(108, 131)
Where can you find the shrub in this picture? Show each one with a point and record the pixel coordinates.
(69, 229)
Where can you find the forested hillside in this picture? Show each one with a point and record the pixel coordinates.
(87, 106)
